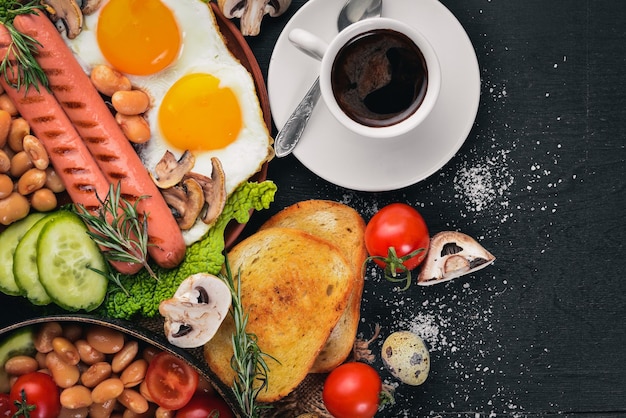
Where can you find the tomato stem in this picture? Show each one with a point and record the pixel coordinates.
(395, 270)
(23, 408)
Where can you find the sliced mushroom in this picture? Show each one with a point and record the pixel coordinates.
(452, 254)
(195, 312)
(214, 189)
(251, 12)
(68, 12)
(90, 6)
(186, 201)
(169, 171)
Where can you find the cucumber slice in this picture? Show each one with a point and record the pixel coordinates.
(20, 342)
(8, 242)
(25, 268)
(66, 256)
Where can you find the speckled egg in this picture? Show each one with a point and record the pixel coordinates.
(406, 356)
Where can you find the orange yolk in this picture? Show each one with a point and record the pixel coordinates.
(139, 37)
(199, 115)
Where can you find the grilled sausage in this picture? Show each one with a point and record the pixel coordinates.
(104, 138)
(71, 159)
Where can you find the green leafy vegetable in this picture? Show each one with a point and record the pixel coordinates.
(145, 294)
(19, 67)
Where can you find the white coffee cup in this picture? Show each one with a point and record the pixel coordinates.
(385, 128)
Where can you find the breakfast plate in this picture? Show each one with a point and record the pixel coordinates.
(368, 164)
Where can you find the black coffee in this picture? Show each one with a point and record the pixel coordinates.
(379, 78)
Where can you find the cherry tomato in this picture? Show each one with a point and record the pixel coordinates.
(171, 381)
(5, 406)
(37, 391)
(352, 390)
(397, 239)
(203, 405)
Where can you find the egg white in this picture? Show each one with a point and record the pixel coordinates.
(203, 51)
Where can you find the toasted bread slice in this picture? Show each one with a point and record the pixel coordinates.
(343, 226)
(294, 287)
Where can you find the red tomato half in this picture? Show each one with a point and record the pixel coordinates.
(38, 390)
(397, 238)
(203, 405)
(170, 381)
(352, 390)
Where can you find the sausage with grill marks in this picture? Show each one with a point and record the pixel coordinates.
(72, 161)
(104, 138)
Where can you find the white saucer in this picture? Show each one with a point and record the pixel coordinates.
(341, 157)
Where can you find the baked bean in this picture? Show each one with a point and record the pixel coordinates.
(135, 127)
(102, 410)
(133, 400)
(133, 102)
(108, 389)
(88, 354)
(105, 340)
(143, 389)
(96, 374)
(36, 151)
(6, 186)
(149, 353)
(5, 162)
(164, 413)
(125, 356)
(20, 365)
(18, 130)
(5, 125)
(53, 181)
(107, 81)
(76, 397)
(72, 332)
(150, 413)
(48, 332)
(13, 208)
(134, 373)
(64, 375)
(20, 163)
(73, 413)
(43, 200)
(7, 104)
(41, 359)
(31, 180)
(66, 350)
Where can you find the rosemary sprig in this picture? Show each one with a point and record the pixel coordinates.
(248, 361)
(25, 71)
(119, 229)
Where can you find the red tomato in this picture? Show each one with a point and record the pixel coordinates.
(203, 405)
(5, 406)
(171, 381)
(352, 390)
(397, 239)
(38, 391)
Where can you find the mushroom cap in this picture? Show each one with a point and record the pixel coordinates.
(452, 254)
(251, 12)
(169, 171)
(196, 310)
(67, 11)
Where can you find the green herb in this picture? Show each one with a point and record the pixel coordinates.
(25, 71)
(248, 360)
(119, 230)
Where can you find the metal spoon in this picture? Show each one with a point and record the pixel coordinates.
(291, 132)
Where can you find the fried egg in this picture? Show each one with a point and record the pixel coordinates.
(202, 98)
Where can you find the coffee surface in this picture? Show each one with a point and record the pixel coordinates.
(379, 78)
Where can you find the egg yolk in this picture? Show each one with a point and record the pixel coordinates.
(199, 115)
(139, 37)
